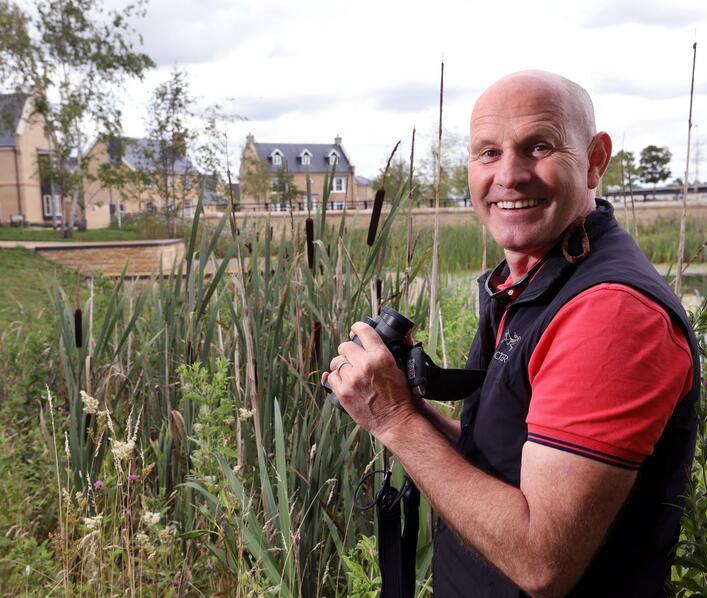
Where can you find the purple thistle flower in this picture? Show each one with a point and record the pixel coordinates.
(98, 485)
(133, 477)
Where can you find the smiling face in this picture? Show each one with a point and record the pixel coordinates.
(533, 162)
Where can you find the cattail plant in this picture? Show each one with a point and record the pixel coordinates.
(435, 242)
(683, 216)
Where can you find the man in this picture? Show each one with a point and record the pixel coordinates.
(565, 472)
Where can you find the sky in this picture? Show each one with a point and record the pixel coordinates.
(306, 71)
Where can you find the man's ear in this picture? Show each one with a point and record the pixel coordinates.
(599, 156)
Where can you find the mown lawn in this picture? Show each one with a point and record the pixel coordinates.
(11, 233)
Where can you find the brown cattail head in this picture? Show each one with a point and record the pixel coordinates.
(78, 328)
(177, 427)
(379, 292)
(309, 227)
(375, 216)
(317, 341)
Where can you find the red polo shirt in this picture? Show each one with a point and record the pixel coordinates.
(606, 375)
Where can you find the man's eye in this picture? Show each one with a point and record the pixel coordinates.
(540, 150)
(488, 155)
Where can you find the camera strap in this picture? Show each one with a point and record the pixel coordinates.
(429, 381)
(397, 543)
(397, 549)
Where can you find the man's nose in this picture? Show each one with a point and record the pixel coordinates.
(512, 170)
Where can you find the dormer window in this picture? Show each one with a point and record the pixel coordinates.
(276, 158)
(333, 157)
(306, 158)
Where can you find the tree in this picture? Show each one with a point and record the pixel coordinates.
(454, 164)
(654, 165)
(621, 163)
(453, 181)
(171, 135)
(398, 175)
(256, 180)
(72, 57)
(283, 185)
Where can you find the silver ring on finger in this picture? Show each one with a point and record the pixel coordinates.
(341, 365)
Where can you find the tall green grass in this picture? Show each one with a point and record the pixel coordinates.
(274, 496)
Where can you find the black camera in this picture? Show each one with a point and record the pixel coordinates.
(393, 328)
(425, 379)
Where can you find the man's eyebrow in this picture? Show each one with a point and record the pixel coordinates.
(481, 142)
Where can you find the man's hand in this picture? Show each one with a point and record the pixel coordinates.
(368, 383)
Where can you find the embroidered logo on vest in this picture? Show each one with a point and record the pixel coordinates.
(507, 344)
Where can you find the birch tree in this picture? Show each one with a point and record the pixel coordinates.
(72, 57)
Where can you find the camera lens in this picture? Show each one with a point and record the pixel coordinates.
(393, 326)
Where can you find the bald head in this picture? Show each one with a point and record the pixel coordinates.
(512, 95)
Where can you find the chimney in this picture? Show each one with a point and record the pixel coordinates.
(337, 140)
(249, 138)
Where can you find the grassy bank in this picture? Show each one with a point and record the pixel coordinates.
(24, 294)
(12, 233)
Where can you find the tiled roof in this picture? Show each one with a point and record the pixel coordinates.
(363, 181)
(143, 154)
(291, 153)
(11, 106)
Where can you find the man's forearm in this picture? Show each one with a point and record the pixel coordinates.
(446, 425)
(486, 513)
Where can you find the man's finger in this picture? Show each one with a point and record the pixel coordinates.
(350, 351)
(368, 336)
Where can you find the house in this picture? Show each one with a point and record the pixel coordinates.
(269, 170)
(134, 175)
(25, 195)
(364, 190)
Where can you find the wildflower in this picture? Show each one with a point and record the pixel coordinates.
(198, 428)
(98, 485)
(244, 414)
(93, 523)
(123, 450)
(150, 518)
(90, 405)
(141, 538)
(133, 477)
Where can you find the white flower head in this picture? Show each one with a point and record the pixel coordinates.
(93, 523)
(122, 451)
(244, 414)
(90, 405)
(150, 518)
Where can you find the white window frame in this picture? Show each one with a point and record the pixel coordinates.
(47, 206)
(338, 184)
(276, 158)
(334, 155)
(306, 160)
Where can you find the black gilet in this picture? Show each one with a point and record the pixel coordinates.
(636, 556)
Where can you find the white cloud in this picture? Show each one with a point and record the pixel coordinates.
(370, 70)
(676, 13)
